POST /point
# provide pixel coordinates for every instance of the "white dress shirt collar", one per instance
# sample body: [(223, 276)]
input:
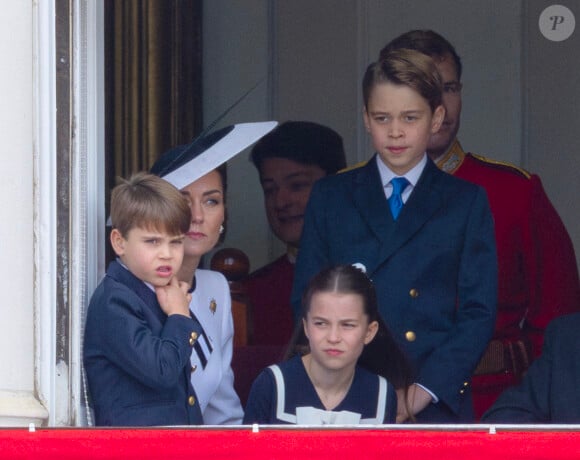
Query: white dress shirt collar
[(412, 175)]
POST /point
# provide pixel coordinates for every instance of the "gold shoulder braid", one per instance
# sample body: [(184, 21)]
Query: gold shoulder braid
[(455, 156), (355, 166), (503, 165)]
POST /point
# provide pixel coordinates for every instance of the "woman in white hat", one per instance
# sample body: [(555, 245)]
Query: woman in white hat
[(198, 170)]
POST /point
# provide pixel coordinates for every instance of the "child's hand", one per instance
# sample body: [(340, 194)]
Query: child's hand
[(174, 298), (417, 400)]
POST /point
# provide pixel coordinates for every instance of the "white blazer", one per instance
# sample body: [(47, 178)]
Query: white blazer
[(213, 378)]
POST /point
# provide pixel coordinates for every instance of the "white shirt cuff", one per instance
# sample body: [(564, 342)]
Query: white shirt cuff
[(435, 398)]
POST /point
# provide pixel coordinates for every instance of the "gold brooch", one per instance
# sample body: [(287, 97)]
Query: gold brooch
[(213, 306)]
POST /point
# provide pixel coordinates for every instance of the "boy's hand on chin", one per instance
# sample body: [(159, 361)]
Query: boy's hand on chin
[(174, 298)]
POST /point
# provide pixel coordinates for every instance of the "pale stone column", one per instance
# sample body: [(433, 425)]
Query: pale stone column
[(18, 403)]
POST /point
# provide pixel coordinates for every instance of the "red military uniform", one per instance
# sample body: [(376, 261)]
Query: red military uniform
[(268, 290), (538, 275)]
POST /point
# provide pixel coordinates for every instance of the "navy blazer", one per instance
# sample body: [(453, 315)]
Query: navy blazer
[(549, 392), (137, 358), (435, 270)]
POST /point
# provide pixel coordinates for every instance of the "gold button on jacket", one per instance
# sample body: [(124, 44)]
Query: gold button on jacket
[(191, 400), (193, 338), (414, 293), (410, 336)]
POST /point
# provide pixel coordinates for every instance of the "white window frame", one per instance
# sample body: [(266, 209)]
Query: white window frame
[(59, 384)]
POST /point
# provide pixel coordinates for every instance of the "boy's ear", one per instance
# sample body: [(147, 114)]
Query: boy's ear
[(372, 330), (117, 242), (304, 328), (437, 120)]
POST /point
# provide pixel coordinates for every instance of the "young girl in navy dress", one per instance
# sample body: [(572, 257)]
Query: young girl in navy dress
[(326, 385)]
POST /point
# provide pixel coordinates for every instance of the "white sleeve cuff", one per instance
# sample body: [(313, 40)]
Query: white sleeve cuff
[(435, 398)]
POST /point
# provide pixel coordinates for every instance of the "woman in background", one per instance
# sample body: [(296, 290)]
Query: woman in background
[(198, 170)]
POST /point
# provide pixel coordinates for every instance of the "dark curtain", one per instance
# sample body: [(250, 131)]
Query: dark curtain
[(153, 58)]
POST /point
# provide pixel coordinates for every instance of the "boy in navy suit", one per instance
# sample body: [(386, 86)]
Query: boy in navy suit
[(139, 333), (537, 271), (424, 237)]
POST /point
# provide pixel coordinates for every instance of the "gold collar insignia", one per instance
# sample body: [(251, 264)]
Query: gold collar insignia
[(452, 160)]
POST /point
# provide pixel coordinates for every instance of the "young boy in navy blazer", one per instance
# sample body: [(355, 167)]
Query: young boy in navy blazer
[(139, 333), (424, 237)]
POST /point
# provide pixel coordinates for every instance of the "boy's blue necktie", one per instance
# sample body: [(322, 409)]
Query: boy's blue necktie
[(396, 200)]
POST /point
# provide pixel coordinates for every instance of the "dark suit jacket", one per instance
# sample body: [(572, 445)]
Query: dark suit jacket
[(435, 270), (550, 391), (136, 358)]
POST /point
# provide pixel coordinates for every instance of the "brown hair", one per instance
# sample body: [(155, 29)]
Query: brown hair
[(149, 202), (383, 354), (303, 142), (409, 68), (427, 42), (343, 279)]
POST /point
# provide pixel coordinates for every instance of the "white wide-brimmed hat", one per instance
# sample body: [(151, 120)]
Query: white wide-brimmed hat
[(184, 164)]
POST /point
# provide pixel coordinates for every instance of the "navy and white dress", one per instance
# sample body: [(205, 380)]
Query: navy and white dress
[(211, 372), (284, 394)]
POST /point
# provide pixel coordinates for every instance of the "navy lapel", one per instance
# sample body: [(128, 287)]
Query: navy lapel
[(369, 199), (121, 274), (423, 203)]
